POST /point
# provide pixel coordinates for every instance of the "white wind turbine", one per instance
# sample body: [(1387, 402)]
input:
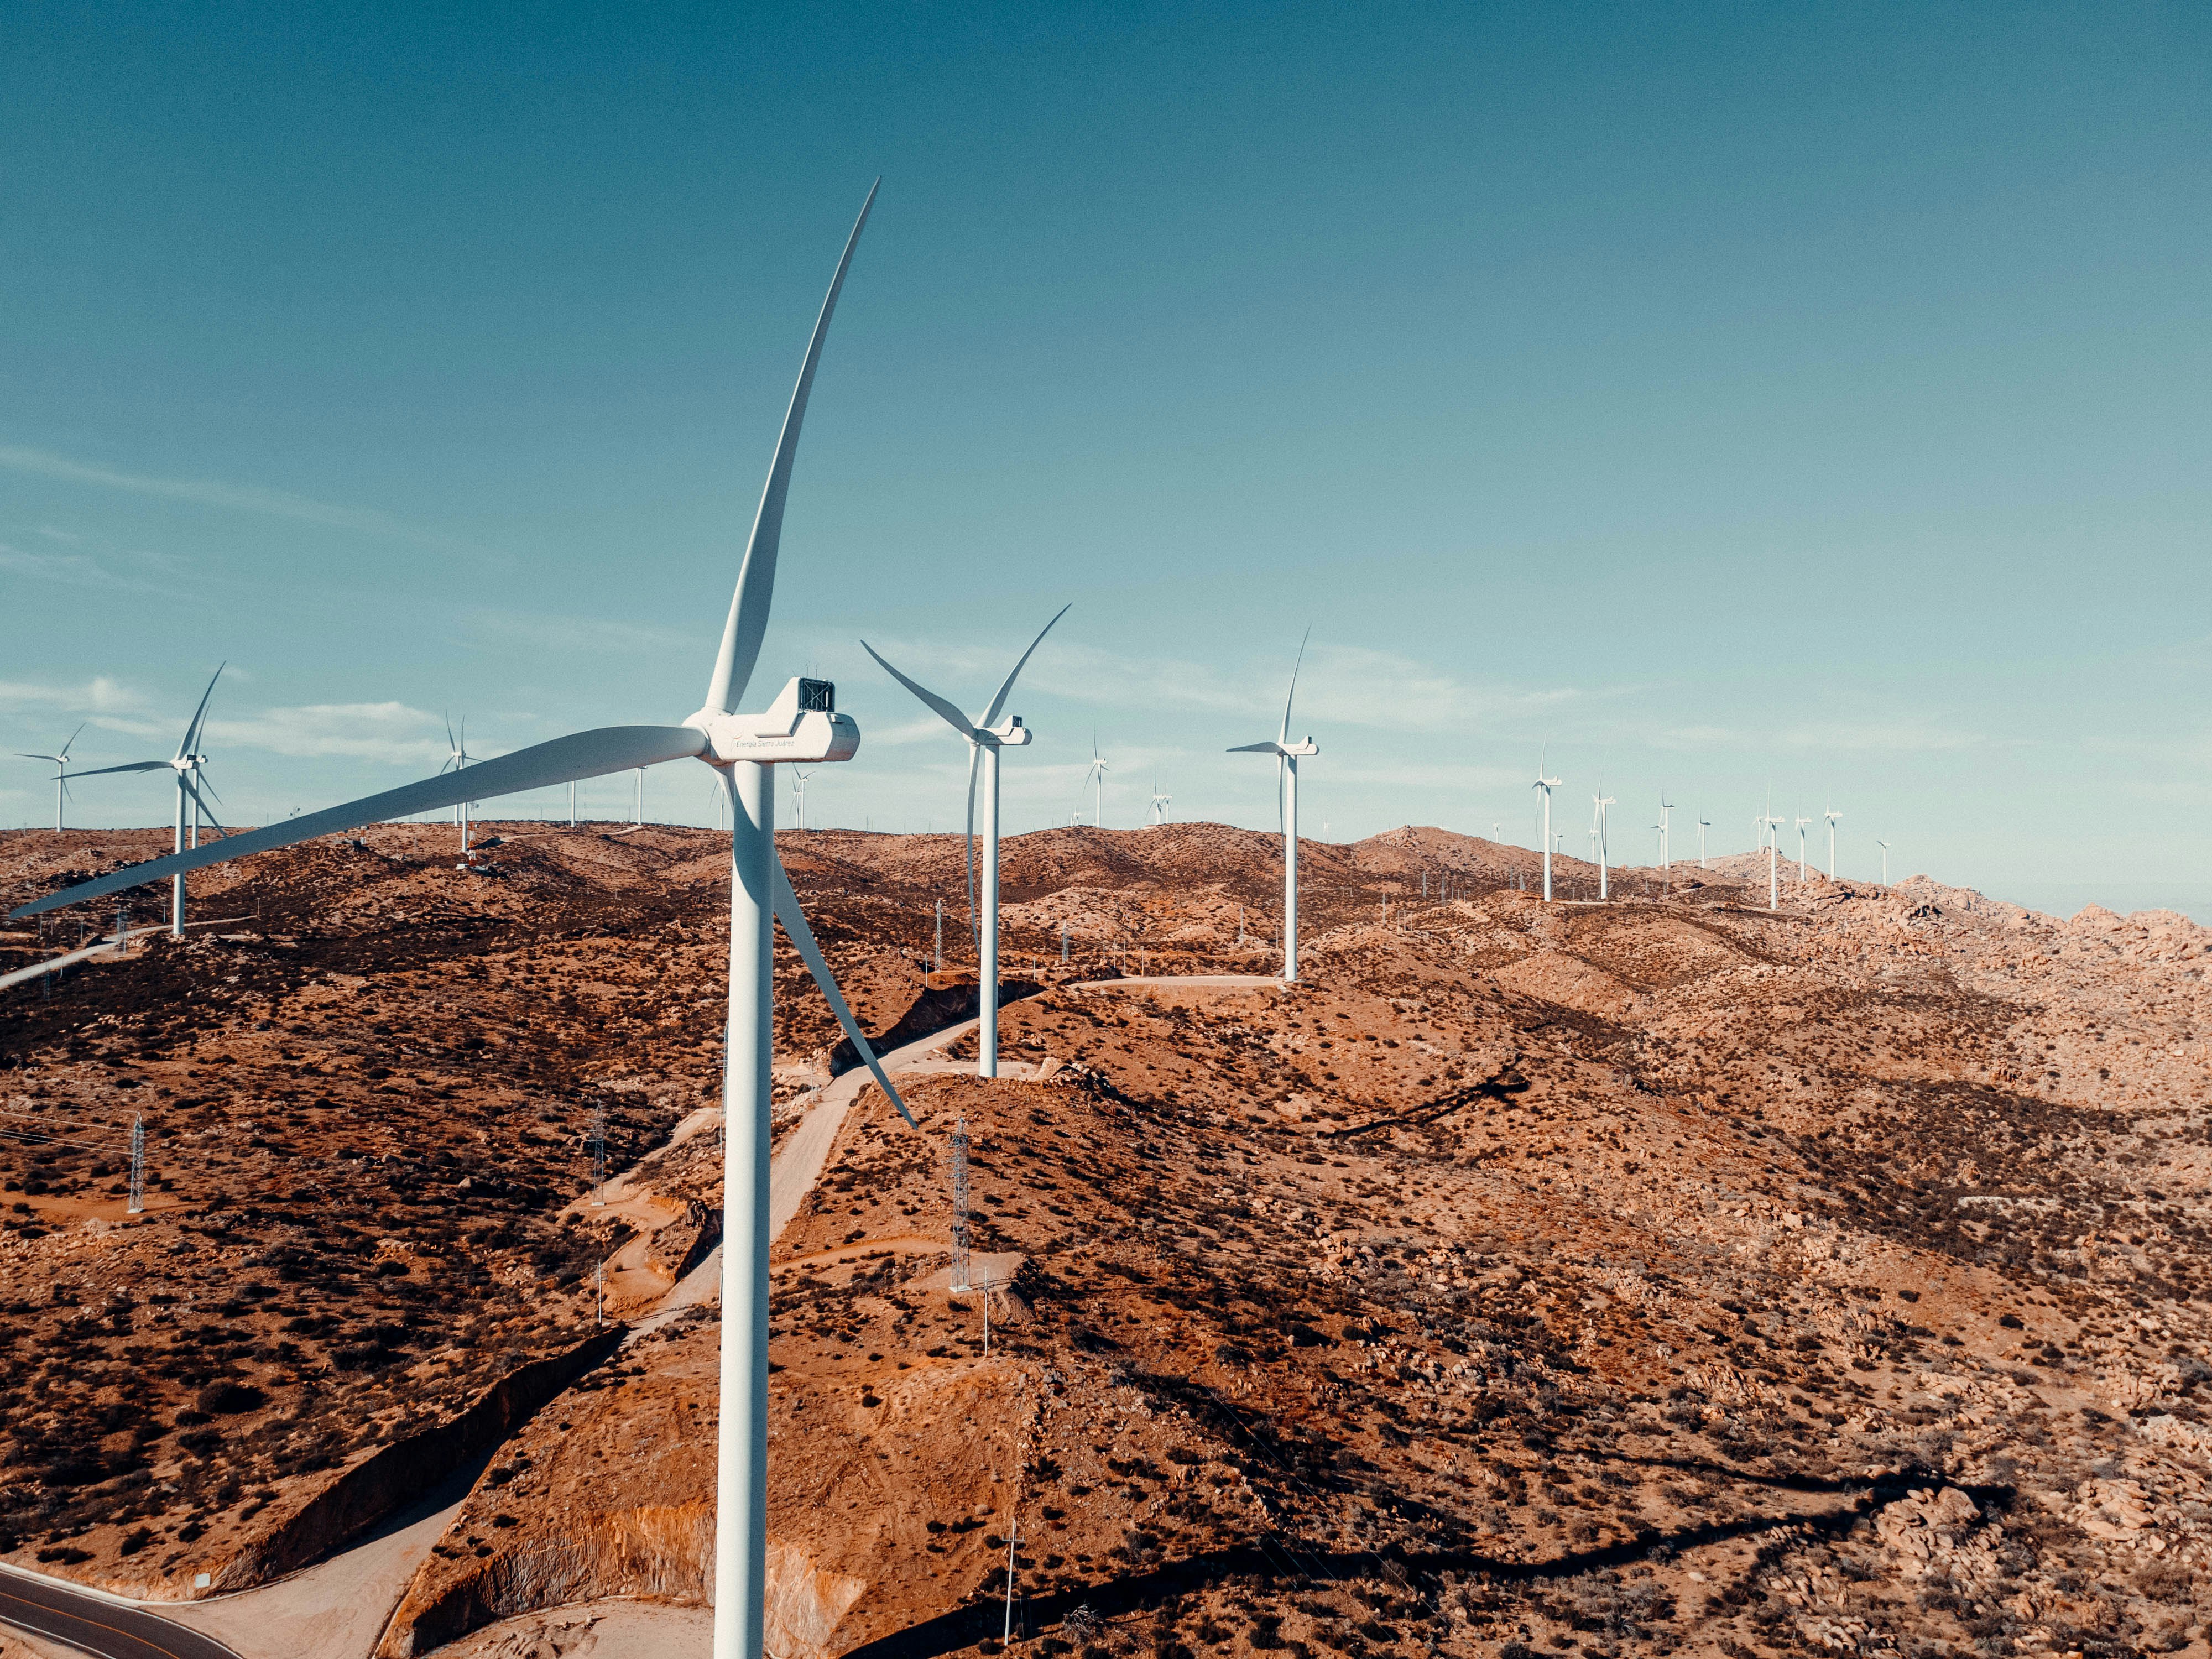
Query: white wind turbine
[(1802, 822), (457, 757), (1769, 824), (1547, 785), (1599, 802), (1666, 833), (1885, 861), (1287, 755), (61, 772), (1703, 825), (987, 734), (800, 725), (799, 792), (1833, 817), (186, 763), (1096, 777), (1156, 813)]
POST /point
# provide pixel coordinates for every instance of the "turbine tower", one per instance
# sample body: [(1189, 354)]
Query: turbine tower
[(1157, 813), (1802, 822), (1547, 785), (186, 763), (1666, 833), (1287, 755), (1885, 861), (987, 734), (61, 774), (1833, 817), (1702, 825), (1599, 802), (1770, 824), (1095, 777), (801, 724), (798, 793), (457, 757)]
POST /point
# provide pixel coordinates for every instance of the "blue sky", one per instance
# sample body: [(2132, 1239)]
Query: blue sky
[(1811, 399)]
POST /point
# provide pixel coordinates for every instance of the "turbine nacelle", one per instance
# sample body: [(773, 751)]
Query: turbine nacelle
[(1008, 733), (802, 724)]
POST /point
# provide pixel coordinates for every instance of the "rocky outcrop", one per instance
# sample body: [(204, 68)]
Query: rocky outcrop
[(396, 1473)]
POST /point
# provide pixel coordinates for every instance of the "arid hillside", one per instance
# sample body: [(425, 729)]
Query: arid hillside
[(1669, 1275)]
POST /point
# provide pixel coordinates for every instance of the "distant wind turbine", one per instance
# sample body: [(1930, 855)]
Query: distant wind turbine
[(457, 757), (1833, 817), (186, 763), (1096, 776), (1599, 802), (61, 774), (1545, 785), (1802, 822), (1885, 861), (1666, 833), (801, 724), (1702, 825), (1157, 813), (1770, 823), (987, 734), (799, 792), (1287, 755)]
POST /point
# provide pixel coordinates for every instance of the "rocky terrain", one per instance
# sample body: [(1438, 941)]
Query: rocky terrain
[(1667, 1275)]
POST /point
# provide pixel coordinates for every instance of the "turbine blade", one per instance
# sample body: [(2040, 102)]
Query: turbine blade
[(200, 778), (1295, 666), (135, 766), (183, 780), (802, 938), (944, 710), (192, 731), (74, 736), (1256, 749), (991, 714), (748, 606), (1282, 814), (583, 755), (967, 851)]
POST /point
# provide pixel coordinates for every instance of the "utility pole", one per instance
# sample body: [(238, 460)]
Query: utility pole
[(599, 1282), (138, 1205), (939, 957), (1063, 943), (1013, 1533)]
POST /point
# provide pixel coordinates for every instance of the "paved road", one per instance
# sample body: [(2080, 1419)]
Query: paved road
[(94, 1625)]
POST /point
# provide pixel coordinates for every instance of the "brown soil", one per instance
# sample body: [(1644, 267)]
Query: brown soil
[(1665, 1276)]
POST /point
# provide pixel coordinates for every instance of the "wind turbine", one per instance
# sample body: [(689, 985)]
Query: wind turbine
[(1157, 812), (1095, 775), (1547, 785), (185, 764), (1702, 825), (457, 757), (1599, 802), (1832, 816), (1802, 822), (987, 734), (1885, 861), (1770, 824), (61, 774), (1287, 755), (800, 725), (799, 790), (1666, 833)]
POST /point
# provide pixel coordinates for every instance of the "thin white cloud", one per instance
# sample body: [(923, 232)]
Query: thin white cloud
[(389, 733), (97, 696), (77, 570), (202, 492), (1343, 685), (585, 633)]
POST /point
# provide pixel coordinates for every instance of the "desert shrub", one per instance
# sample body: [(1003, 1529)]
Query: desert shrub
[(226, 1396)]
